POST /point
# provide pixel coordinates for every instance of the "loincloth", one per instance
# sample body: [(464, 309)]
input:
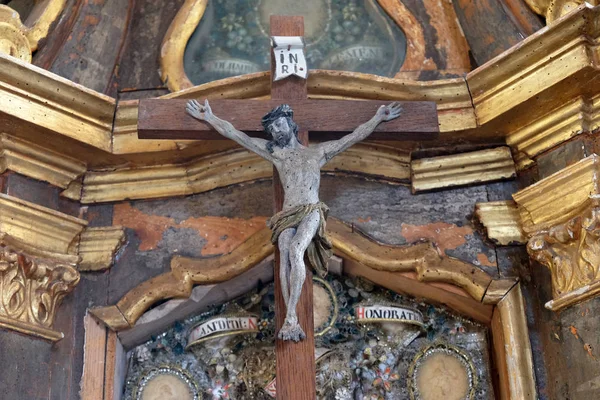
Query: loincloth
[(320, 249)]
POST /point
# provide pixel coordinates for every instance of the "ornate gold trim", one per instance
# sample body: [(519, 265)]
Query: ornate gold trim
[(502, 221), (32, 285), (39, 227), (38, 162), (185, 272), (98, 246), (561, 216), (462, 169)]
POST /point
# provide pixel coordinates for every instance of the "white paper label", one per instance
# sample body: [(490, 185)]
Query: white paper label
[(289, 57)]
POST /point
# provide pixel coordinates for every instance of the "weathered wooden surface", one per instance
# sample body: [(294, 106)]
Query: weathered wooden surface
[(90, 53), (137, 76), (167, 119), (488, 28)]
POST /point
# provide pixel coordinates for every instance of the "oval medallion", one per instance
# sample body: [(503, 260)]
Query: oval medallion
[(167, 383)]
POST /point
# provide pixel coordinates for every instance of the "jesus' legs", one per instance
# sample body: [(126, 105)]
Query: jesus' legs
[(305, 232), (284, 241)]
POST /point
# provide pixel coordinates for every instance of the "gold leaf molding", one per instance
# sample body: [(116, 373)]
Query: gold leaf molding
[(38, 226), (227, 168), (98, 246), (462, 169), (502, 221), (38, 162), (582, 114)]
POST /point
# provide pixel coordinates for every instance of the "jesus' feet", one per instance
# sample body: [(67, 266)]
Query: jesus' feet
[(291, 330)]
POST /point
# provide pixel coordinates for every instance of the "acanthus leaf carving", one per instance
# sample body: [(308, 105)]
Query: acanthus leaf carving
[(31, 290)]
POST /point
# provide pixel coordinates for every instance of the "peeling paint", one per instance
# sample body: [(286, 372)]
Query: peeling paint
[(485, 261), (222, 234), (446, 236)]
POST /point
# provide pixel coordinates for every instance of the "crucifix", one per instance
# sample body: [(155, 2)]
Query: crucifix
[(300, 217)]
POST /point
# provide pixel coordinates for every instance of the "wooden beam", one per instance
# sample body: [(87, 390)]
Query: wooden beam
[(332, 119), (295, 361)]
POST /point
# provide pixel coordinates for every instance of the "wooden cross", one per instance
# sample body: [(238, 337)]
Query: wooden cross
[(328, 119)]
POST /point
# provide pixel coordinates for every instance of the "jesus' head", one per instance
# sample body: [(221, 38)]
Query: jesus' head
[(279, 123)]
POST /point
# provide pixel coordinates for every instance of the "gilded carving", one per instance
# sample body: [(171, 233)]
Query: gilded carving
[(20, 39), (571, 251), (32, 287), (13, 40), (560, 217)]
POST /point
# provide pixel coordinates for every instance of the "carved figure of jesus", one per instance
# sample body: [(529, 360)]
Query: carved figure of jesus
[(300, 226)]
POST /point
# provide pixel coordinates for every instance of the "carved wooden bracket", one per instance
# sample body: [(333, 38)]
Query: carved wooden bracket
[(560, 216)]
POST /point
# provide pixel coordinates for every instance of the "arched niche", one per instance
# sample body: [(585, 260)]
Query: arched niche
[(416, 270)]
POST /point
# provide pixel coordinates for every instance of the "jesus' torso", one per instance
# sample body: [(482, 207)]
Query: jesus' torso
[(300, 174)]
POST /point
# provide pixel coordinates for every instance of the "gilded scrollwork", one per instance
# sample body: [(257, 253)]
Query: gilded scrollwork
[(31, 289), (571, 251)]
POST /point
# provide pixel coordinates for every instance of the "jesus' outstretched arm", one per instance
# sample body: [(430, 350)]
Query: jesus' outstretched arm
[(335, 147), (225, 128)]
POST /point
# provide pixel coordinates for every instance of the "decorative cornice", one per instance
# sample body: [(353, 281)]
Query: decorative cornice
[(582, 114), (38, 162), (32, 98), (227, 168), (422, 258), (462, 169), (560, 56), (559, 197), (98, 246), (39, 227), (502, 221)]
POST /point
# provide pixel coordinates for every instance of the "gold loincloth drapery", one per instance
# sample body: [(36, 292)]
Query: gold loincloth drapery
[(320, 249)]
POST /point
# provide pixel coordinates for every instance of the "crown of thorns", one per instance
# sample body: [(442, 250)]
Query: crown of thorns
[(283, 110)]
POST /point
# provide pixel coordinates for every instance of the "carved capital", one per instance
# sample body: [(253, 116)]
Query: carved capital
[(38, 265), (561, 217), (32, 285)]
